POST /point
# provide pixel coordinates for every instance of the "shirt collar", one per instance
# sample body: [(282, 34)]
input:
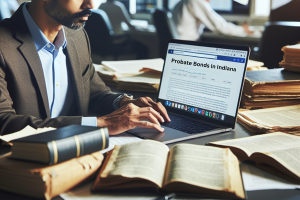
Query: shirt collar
[(40, 40)]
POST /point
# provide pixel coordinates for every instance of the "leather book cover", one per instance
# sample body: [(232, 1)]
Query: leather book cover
[(69, 142), (272, 76)]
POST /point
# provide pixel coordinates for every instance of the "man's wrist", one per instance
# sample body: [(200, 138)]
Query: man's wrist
[(121, 100), (101, 122), (125, 101)]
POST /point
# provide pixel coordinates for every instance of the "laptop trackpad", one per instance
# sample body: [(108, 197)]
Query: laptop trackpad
[(148, 133)]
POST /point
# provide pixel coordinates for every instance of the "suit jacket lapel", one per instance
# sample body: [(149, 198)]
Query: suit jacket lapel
[(75, 70), (29, 52)]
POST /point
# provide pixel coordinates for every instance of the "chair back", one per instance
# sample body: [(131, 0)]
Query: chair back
[(165, 29), (275, 36), (100, 32)]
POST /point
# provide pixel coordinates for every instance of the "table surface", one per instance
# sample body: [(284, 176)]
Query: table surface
[(238, 132)]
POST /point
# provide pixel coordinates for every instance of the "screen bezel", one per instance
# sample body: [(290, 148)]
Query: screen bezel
[(213, 45)]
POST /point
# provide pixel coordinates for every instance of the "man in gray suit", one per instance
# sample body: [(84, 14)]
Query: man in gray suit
[(47, 78)]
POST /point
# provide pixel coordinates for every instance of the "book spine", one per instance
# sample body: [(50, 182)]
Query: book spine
[(78, 145)]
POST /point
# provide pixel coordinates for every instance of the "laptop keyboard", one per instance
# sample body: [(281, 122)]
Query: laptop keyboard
[(187, 125)]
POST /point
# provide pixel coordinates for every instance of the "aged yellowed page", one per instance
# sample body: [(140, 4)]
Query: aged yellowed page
[(146, 159), (289, 157), (27, 131), (235, 176), (286, 116), (198, 165), (263, 143), (147, 78), (109, 72), (134, 66)]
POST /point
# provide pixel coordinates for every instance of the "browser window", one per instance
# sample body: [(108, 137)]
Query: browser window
[(203, 80)]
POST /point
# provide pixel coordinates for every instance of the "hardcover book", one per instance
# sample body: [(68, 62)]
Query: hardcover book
[(270, 88), (62, 144), (185, 168), (275, 152)]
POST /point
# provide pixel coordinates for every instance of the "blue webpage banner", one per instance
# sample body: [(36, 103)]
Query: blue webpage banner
[(206, 56)]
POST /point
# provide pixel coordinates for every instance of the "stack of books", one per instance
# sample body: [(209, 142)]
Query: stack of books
[(253, 65), (291, 58), (45, 164), (132, 75), (284, 119), (141, 75), (270, 88)]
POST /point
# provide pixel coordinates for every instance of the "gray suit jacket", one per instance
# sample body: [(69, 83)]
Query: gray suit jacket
[(23, 94)]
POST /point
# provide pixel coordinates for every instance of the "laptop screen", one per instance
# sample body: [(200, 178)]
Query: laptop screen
[(204, 81)]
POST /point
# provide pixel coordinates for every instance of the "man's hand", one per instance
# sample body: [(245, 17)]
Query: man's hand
[(129, 117), (246, 28), (148, 102)]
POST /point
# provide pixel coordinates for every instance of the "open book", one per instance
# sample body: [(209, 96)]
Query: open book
[(277, 152), (183, 168), (283, 119)]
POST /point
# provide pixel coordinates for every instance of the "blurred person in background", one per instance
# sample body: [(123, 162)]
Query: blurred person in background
[(192, 16)]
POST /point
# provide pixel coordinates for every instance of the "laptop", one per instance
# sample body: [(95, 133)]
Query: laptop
[(201, 86)]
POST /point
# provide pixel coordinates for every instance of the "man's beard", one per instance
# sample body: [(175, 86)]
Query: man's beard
[(64, 17)]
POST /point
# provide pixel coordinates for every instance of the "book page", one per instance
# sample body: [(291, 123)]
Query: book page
[(134, 66), (146, 159), (147, 77), (122, 138), (290, 158), (27, 131), (257, 179), (263, 143), (198, 165), (273, 117), (107, 71), (253, 63)]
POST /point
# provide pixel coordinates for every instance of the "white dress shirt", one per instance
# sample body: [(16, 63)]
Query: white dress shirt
[(195, 15), (59, 87)]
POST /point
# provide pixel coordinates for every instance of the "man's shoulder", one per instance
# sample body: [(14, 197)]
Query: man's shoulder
[(6, 31), (6, 26)]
